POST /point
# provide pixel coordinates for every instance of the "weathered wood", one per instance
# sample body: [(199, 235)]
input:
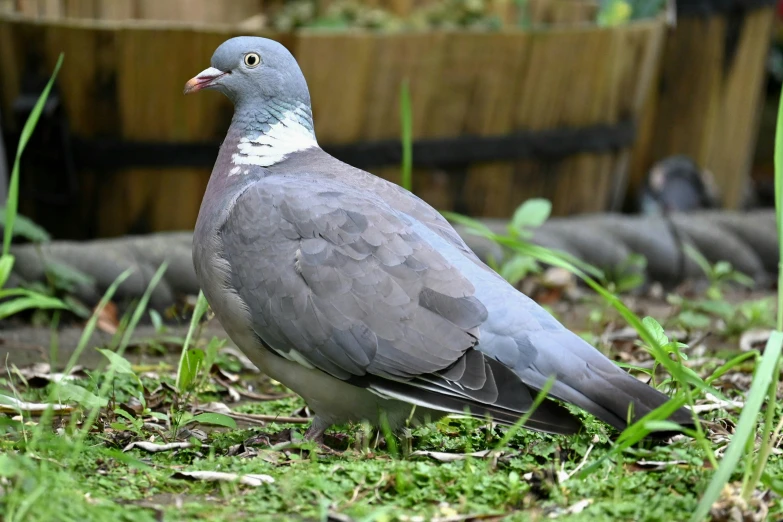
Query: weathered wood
[(461, 83), (707, 102), (561, 12), (117, 9), (324, 60), (734, 137)]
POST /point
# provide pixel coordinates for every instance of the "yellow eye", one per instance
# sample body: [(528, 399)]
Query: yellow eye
[(252, 60)]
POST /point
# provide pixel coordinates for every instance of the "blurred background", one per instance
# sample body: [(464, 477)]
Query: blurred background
[(574, 101)]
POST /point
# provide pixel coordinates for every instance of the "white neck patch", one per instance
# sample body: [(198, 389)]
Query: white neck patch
[(283, 138)]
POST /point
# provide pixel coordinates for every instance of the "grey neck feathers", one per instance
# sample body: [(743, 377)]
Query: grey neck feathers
[(269, 131)]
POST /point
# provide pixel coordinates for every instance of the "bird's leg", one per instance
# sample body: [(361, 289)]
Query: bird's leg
[(315, 433), (316, 430)]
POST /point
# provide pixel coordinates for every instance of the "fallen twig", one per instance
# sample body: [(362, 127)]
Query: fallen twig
[(450, 457), (157, 448), (14, 405), (260, 419), (254, 480)]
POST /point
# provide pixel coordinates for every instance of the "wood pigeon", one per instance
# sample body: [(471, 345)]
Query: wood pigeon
[(361, 297)]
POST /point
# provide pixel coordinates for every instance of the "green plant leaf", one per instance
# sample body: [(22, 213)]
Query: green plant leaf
[(517, 268), (718, 308), (26, 228), (211, 353), (68, 392), (14, 306), (66, 277), (13, 184), (216, 419), (123, 413), (745, 426), (614, 12), (473, 225), (157, 321), (186, 366), (6, 265), (118, 363), (530, 214), (189, 366), (693, 320), (406, 123), (656, 330)]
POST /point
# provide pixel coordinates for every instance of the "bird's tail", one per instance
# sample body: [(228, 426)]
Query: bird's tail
[(595, 384)]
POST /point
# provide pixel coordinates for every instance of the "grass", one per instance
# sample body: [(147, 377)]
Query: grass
[(73, 467)]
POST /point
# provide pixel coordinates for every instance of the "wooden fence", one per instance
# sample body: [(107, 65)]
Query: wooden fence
[(124, 80), (707, 98)]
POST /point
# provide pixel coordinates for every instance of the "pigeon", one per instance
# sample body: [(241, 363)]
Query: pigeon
[(677, 184), (362, 298)]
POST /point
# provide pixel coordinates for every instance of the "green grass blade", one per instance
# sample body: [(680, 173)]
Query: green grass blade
[(40, 302), (184, 366), (540, 397), (13, 186), (109, 377), (745, 426), (406, 123), (779, 204), (755, 469), (89, 329)]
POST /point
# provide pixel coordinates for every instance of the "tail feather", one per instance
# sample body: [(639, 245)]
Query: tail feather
[(549, 417), (592, 382), (613, 399)]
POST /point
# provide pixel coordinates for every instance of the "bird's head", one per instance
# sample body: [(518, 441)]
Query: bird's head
[(251, 69)]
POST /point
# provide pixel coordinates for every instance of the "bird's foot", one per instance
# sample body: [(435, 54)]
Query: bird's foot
[(315, 433)]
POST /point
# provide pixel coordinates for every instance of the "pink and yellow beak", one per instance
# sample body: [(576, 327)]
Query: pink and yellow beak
[(203, 80)]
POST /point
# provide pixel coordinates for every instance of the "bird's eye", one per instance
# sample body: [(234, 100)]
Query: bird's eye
[(252, 60)]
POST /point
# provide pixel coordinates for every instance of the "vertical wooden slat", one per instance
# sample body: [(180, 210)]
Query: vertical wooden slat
[(398, 57), (706, 102), (167, 198), (81, 8), (686, 105), (731, 152), (50, 9), (10, 64), (30, 8), (496, 95), (561, 13), (204, 11), (461, 83), (116, 9), (338, 99)]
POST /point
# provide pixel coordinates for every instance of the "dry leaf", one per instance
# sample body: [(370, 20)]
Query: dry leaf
[(247, 364), (572, 510), (556, 277), (216, 407), (107, 319), (753, 339), (228, 377), (133, 406), (40, 374), (253, 480)]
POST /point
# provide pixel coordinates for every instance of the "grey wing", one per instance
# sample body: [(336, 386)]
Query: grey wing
[(419, 209), (336, 279)]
